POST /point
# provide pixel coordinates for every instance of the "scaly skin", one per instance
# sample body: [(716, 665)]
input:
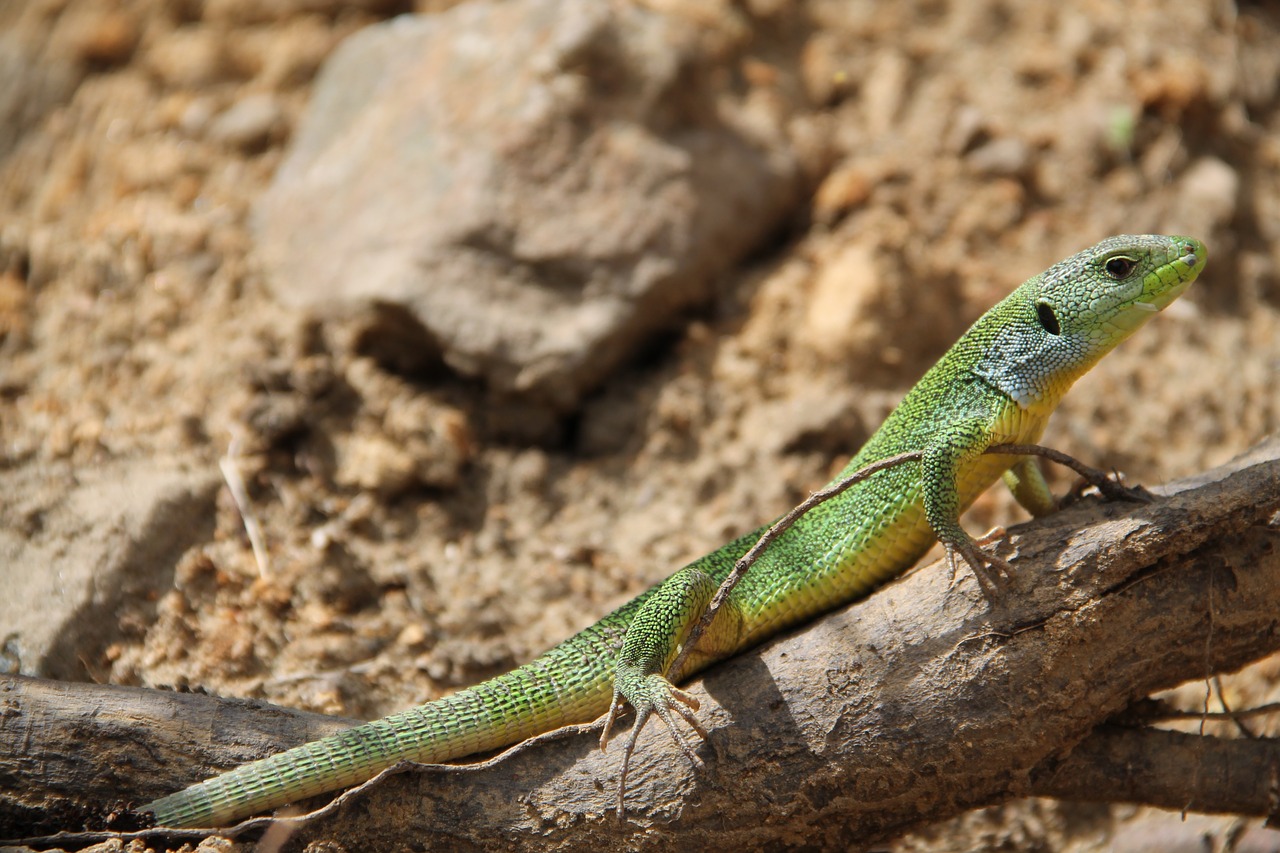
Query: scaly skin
[(998, 384)]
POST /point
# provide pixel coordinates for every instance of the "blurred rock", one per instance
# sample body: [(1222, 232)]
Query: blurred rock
[(1006, 157), (402, 440), (84, 553), (190, 58), (104, 36), (884, 92), (844, 189), (822, 70), (29, 89), (848, 290), (195, 118), (249, 12), (1154, 831), (967, 128), (250, 123), (822, 419), (1207, 200), (541, 183)]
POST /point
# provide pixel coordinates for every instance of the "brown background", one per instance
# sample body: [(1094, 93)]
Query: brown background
[(138, 336)]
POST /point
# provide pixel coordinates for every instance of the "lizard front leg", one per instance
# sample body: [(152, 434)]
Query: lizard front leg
[(941, 465)]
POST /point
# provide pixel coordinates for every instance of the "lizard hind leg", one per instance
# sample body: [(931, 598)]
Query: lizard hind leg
[(642, 674)]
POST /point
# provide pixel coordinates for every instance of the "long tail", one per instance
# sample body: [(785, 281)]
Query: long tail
[(571, 683)]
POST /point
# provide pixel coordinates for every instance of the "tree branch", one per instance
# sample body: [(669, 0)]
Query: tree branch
[(1172, 770), (99, 745), (917, 703)]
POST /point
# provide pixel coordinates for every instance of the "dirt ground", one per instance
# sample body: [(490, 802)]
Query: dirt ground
[(136, 325)]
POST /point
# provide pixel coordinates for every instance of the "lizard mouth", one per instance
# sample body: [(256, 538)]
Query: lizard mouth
[(1169, 281)]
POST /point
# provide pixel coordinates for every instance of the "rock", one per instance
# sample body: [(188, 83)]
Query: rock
[(847, 291), (885, 91), (85, 553), (874, 311), (188, 58), (29, 89), (104, 37), (1207, 199), (540, 183), (245, 13), (15, 315), (967, 128), (844, 189), (822, 69), (250, 123), (403, 439), (294, 53), (197, 116), (371, 462), (816, 418), (1004, 157)]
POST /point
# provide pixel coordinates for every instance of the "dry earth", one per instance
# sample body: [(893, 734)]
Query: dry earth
[(424, 532)]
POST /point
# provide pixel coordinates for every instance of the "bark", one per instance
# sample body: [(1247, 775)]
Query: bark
[(1172, 770), (911, 706), (100, 746)]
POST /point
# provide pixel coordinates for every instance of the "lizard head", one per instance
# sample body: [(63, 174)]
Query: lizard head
[(1099, 297), (1056, 326)]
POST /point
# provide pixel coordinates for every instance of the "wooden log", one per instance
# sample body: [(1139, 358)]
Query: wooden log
[(910, 706)]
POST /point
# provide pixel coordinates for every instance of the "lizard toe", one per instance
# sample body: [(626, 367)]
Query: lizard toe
[(989, 569)]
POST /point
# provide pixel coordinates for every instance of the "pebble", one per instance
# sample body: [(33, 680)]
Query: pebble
[(1210, 188), (250, 124), (1007, 157)]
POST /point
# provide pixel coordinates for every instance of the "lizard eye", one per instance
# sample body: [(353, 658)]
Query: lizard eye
[(1119, 267), (1048, 320)]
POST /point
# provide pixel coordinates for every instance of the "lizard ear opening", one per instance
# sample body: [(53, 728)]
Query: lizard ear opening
[(1048, 320)]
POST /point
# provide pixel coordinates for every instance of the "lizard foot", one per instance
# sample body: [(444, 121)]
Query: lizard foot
[(1111, 487), (658, 696), (989, 580)]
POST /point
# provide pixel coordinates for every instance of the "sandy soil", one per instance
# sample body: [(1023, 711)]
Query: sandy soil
[(135, 325)]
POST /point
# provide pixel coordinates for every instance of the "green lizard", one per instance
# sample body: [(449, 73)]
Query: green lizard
[(997, 385)]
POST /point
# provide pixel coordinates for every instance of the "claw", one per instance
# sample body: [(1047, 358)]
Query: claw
[(1121, 492), (685, 706), (615, 708), (1112, 488), (663, 699), (978, 561), (642, 717), (991, 537)]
